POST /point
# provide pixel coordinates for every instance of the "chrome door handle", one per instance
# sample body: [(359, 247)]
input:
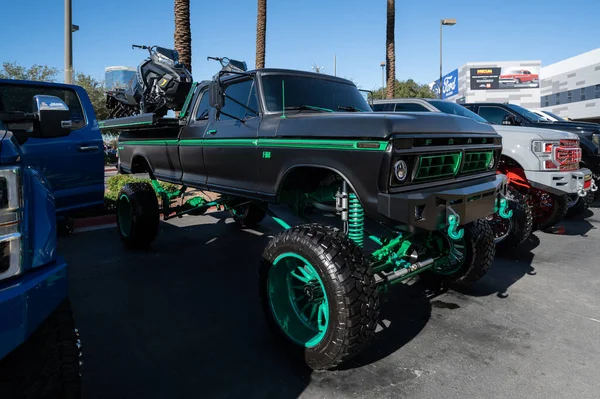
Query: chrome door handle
[(89, 148)]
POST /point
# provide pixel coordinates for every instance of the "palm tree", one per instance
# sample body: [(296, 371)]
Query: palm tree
[(183, 33), (261, 28), (390, 57)]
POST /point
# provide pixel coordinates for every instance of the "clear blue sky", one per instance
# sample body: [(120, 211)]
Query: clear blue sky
[(300, 33)]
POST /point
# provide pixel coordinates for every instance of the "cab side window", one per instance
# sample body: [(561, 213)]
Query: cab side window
[(19, 98), (494, 115), (203, 106), (242, 92), (385, 107), (410, 107)]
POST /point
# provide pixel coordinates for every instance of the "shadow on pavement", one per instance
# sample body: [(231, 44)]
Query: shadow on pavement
[(509, 267), (181, 319), (405, 310)]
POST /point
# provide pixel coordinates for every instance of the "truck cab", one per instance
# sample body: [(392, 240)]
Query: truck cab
[(37, 330), (73, 163)]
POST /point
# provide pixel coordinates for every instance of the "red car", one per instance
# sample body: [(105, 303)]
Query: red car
[(517, 76)]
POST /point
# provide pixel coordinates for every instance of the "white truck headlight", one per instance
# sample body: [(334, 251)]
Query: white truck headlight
[(11, 209)]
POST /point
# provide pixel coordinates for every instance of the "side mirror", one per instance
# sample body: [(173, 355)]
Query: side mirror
[(216, 98), (368, 96), (53, 117), (510, 120)]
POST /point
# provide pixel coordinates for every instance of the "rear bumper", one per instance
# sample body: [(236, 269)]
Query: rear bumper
[(560, 183), (428, 209), (26, 301)]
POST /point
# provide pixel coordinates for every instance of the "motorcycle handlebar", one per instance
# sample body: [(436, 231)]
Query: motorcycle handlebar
[(223, 60)]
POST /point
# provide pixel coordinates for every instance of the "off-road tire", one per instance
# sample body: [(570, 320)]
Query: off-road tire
[(581, 205), (248, 215), (522, 220), (47, 364), (480, 250), (349, 285), (144, 214), (559, 212)]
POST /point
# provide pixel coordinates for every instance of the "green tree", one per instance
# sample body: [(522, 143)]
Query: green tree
[(406, 89), (12, 70), (95, 90)]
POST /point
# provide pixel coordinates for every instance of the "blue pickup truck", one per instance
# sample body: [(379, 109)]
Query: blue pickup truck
[(51, 165)]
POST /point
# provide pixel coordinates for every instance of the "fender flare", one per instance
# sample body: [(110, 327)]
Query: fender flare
[(315, 166), (514, 172)]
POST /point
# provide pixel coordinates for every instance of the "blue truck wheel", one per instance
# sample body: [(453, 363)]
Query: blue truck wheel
[(47, 364)]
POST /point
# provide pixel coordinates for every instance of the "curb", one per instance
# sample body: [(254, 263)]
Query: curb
[(106, 221)]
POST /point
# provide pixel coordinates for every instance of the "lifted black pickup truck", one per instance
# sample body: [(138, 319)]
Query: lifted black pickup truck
[(417, 186), (512, 114)]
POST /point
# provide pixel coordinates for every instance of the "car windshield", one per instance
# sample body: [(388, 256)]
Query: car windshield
[(525, 113), (308, 92), (558, 118), (449, 107)]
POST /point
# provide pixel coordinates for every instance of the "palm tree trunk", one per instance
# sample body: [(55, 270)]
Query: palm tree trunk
[(183, 33), (390, 57), (261, 28)]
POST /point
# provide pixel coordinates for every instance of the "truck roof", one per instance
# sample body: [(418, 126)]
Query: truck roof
[(269, 71), (37, 83)]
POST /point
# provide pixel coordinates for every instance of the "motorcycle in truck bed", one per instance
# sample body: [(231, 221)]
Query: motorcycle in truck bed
[(411, 194)]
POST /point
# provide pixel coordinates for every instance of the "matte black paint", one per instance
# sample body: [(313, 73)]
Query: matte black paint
[(243, 171)]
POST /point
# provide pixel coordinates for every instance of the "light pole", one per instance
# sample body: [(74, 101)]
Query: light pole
[(449, 22), (382, 84), (69, 29), (334, 65)]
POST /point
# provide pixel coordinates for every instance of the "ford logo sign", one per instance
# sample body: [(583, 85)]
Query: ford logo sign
[(449, 84)]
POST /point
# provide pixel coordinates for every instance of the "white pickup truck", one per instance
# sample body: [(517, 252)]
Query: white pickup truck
[(542, 165)]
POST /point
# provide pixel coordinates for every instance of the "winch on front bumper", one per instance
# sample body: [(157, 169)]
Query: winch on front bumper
[(454, 204)]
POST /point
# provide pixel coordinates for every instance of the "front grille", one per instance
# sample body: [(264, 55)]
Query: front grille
[(567, 158), (569, 143), (477, 161), (437, 166)]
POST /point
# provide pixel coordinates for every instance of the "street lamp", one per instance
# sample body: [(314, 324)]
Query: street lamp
[(449, 22), (382, 84), (69, 29)]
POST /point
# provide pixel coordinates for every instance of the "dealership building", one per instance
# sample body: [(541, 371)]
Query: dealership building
[(568, 88)]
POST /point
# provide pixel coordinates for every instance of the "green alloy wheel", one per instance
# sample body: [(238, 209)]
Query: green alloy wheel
[(137, 214), (318, 294), (463, 261), (298, 300)]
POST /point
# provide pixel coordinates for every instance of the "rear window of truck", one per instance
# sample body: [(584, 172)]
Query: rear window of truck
[(19, 98)]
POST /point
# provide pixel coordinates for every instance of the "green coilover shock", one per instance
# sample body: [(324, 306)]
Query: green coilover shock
[(356, 220)]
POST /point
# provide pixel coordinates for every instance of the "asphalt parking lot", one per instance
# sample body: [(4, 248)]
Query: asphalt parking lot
[(182, 320)]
